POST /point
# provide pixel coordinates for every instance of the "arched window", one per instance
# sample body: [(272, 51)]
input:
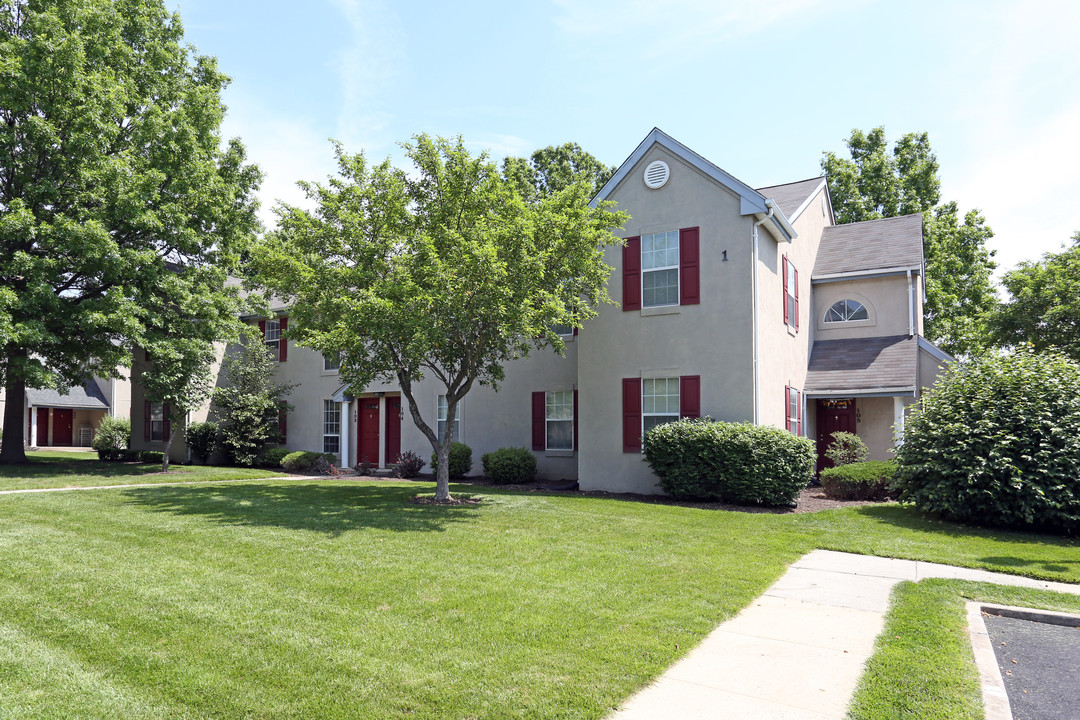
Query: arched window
[(846, 311)]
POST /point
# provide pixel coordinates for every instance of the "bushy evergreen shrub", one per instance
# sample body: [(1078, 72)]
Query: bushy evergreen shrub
[(148, 457), (846, 448), (307, 461), (704, 459), (409, 465), (202, 439), (272, 457), (997, 442), (460, 462), (870, 480), (112, 438), (507, 466)]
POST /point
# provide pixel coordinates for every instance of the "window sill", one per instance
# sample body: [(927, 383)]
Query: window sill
[(662, 310), (791, 331), (558, 453)]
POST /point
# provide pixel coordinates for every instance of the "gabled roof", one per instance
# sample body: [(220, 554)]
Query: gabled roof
[(863, 366), (87, 396), (792, 197), (751, 201), (889, 244)]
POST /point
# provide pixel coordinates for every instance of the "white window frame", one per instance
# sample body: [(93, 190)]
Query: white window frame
[(672, 416), (677, 267), (848, 319), (441, 410), (791, 299), (157, 422), (549, 405), (331, 424), (272, 336), (327, 369), (794, 411)]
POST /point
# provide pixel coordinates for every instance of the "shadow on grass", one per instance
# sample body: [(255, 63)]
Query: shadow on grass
[(318, 507), (42, 467)]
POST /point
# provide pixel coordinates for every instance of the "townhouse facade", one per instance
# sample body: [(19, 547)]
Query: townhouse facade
[(737, 303)]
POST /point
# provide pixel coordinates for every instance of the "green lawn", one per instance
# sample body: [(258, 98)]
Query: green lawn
[(340, 599), (52, 468)]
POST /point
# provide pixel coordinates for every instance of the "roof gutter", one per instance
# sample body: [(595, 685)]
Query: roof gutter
[(775, 222)]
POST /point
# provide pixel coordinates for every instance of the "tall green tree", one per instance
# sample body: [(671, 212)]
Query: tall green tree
[(1043, 308), (180, 377), (116, 191), (444, 271), (874, 183), (553, 169), (249, 403)]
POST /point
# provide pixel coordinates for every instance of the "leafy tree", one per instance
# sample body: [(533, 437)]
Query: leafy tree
[(115, 190), (553, 169), (446, 270), (180, 376), (1043, 309), (249, 404), (874, 183)]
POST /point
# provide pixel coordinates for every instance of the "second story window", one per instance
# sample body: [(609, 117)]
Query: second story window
[(660, 269), (846, 311), (331, 362), (791, 294), (273, 336)]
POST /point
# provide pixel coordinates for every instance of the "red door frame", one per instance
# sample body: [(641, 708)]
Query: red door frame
[(367, 430), (393, 428), (42, 427), (833, 415)]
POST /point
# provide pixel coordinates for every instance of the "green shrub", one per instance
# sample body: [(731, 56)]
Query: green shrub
[(703, 459), (272, 457), (202, 439), (127, 455), (460, 460), (151, 457), (870, 480), (509, 465), (997, 442), (307, 461), (408, 465), (846, 448), (112, 438)]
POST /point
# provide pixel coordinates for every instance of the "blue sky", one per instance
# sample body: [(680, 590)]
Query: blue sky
[(761, 89)]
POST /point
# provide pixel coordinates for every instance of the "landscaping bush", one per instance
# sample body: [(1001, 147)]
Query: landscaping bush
[(151, 456), (409, 465), (846, 448), (870, 480), (307, 461), (703, 459), (202, 440), (997, 442), (509, 465), (113, 438), (272, 457), (460, 460)]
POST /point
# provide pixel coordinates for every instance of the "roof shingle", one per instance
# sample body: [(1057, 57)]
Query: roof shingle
[(86, 396), (871, 245), (862, 365), (790, 196)]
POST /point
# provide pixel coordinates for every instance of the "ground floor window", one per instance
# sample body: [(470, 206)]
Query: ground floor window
[(559, 420), (331, 426), (794, 411), (442, 412), (659, 402), (157, 422)]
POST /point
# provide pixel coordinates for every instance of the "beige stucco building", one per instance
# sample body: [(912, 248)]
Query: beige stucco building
[(70, 419), (735, 303)]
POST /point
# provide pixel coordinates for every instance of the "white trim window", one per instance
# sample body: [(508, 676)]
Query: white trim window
[(659, 402), (331, 441), (559, 419), (331, 363), (441, 412), (794, 411), (273, 336), (660, 269), (791, 296), (846, 310), (157, 422)]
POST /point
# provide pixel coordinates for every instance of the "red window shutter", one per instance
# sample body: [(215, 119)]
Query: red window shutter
[(631, 405), (283, 345), (631, 274), (166, 424), (539, 421), (690, 396), (283, 424), (796, 299), (146, 420), (784, 271), (575, 331), (689, 273), (575, 420), (262, 329)]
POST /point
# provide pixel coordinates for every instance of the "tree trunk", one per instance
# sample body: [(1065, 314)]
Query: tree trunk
[(165, 460), (442, 474), (13, 451)]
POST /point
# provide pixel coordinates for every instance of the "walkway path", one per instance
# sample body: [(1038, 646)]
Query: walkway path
[(797, 651)]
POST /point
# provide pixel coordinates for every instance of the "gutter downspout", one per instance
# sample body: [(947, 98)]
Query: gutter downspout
[(754, 314), (910, 305)]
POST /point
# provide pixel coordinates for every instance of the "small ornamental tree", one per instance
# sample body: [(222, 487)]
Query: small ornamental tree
[(445, 271), (997, 442), (179, 376), (249, 404)]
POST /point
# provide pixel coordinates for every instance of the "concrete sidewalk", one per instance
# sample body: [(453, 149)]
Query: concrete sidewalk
[(797, 652)]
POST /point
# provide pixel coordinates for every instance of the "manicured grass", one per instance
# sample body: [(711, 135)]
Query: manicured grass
[(340, 599), (923, 668), (53, 469)]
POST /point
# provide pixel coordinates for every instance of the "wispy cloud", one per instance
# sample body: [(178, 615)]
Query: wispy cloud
[(500, 146)]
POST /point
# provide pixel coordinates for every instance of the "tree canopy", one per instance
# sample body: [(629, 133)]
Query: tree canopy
[(1043, 308), (445, 270), (553, 169), (876, 183), (117, 194)]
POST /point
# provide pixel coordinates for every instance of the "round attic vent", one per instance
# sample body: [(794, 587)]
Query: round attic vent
[(657, 174)]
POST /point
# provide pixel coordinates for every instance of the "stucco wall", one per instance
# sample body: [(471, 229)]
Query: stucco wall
[(875, 425), (885, 298)]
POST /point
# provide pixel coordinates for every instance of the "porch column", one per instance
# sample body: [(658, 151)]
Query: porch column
[(898, 421), (382, 430), (345, 431), (32, 440)]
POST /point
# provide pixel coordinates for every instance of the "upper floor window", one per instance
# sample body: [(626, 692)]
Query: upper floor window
[(273, 335), (846, 311), (660, 269), (442, 411), (331, 362), (791, 294)]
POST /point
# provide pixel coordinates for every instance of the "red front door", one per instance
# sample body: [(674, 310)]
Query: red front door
[(833, 415), (61, 431), (367, 431), (393, 428), (42, 427)]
